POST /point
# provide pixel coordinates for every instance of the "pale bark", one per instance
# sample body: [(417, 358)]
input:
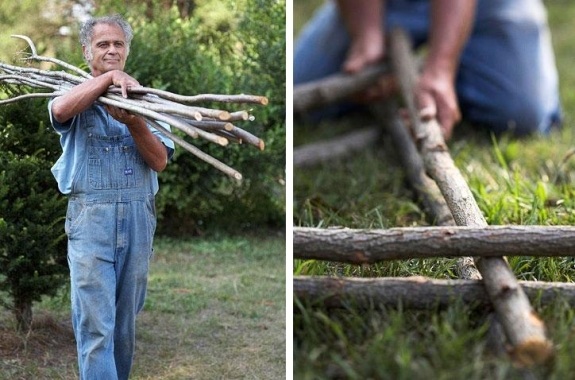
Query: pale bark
[(341, 146), (524, 330), (337, 87)]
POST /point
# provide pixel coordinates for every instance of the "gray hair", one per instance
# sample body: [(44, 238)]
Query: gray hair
[(87, 30)]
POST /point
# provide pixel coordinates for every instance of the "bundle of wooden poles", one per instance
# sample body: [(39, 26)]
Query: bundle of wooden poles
[(156, 106)]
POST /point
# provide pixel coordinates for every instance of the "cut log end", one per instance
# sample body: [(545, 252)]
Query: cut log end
[(262, 145), (264, 101), (222, 141), (224, 115), (532, 352)]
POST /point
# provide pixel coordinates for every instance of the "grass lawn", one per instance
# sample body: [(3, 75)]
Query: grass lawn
[(527, 182), (215, 310)]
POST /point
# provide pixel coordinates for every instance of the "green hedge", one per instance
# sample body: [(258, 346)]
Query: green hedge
[(32, 239), (225, 47)]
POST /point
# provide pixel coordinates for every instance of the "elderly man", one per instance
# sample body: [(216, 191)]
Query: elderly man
[(108, 169), (488, 61)]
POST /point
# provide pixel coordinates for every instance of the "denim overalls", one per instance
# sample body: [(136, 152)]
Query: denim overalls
[(110, 225)]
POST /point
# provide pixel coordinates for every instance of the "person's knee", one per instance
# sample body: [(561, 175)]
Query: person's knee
[(531, 116), (519, 117)]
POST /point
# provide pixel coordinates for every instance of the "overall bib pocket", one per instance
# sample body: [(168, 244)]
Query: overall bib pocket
[(114, 163)]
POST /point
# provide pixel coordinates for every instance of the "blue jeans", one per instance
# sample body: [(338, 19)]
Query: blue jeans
[(110, 224), (507, 78)]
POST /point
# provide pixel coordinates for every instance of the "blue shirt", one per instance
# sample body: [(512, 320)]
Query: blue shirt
[(73, 136)]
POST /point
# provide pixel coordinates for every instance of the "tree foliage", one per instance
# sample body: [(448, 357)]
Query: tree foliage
[(224, 47), (32, 240)]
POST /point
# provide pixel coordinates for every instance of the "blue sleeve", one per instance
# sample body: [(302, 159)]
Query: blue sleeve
[(164, 139)]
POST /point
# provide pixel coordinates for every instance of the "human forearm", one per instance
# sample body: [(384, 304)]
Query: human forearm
[(361, 16), (363, 20), (451, 23), (149, 146), (80, 97)]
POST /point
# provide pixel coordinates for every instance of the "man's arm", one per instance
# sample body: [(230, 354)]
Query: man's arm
[(363, 21), (82, 96), (451, 24), (150, 147)]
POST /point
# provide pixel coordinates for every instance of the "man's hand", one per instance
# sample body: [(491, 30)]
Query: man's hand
[(124, 81), (435, 97), (365, 49), (122, 115)]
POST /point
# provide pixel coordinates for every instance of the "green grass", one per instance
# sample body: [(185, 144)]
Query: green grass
[(215, 310), (528, 182)]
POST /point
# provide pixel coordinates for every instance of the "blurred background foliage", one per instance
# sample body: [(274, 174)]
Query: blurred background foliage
[(187, 47)]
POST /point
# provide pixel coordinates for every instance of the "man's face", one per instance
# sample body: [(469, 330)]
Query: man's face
[(108, 49)]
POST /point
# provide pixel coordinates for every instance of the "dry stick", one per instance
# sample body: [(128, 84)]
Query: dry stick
[(196, 152), (246, 136), (239, 115), (251, 99), (191, 131), (35, 95), (61, 75), (368, 246), (210, 125), (415, 292), (427, 191), (183, 110), (315, 153), (229, 136), (337, 87), (241, 98), (37, 57), (229, 131), (433, 203), (201, 111), (524, 330)]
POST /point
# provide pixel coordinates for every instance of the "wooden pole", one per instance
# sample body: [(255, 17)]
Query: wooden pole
[(368, 246), (426, 189), (338, 87), (341, 146), (524, 330), (416, 292)]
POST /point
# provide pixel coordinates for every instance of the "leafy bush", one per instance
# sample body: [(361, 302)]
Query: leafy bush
[(32, 239), (225, 47)]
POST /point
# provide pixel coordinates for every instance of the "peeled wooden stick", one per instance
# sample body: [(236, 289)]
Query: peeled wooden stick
[(523, 328), (196, 151), (341, 146), (426, 189), (338, 87), (37, 57)]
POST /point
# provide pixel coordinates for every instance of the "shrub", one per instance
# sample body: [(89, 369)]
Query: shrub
[(224, 47), (32, 239)]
